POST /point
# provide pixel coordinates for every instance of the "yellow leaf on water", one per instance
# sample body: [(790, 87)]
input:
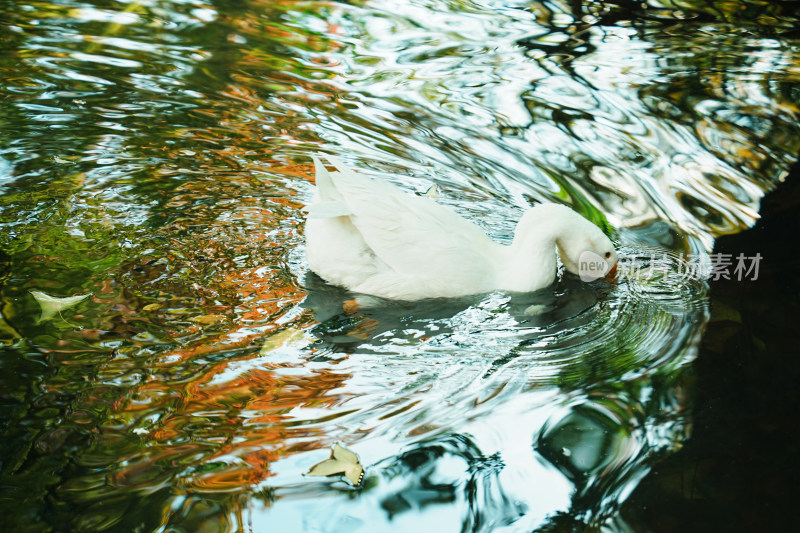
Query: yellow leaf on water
[(342, 462), (281, 339), (433, 192), (151, 307), (208, 319)]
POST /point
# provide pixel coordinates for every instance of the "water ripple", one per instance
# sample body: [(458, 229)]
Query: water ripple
[(156, 155)]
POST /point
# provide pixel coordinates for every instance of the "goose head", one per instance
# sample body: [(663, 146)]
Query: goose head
[(547, 229), (587, 252)]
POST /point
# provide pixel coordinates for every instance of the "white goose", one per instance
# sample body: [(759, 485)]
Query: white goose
[(372, 238)]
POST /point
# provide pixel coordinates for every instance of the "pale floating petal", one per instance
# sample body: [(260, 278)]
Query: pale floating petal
[(51, 304)]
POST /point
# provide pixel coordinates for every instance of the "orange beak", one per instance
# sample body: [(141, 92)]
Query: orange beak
[(612, 274)]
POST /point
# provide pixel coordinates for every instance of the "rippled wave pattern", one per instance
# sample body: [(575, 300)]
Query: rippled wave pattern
[(155, 155)]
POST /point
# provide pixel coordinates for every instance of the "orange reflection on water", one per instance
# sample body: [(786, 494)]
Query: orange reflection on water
[(215, 414), (234, 417)]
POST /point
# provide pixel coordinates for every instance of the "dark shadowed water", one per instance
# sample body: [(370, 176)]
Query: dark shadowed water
[(155, 156)]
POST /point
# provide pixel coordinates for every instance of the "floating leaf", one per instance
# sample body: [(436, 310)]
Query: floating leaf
[(51, 304), (342, 461), (151, 307), (433, 192), (208, 319), (282, 339)]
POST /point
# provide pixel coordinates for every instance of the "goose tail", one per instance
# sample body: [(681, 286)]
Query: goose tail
[(328, 202)]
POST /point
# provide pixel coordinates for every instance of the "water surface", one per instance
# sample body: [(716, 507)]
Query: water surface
[(156, 156)]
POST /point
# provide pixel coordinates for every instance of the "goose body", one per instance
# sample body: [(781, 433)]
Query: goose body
[(372, 238)]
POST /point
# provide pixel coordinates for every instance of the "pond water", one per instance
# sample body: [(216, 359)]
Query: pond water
[(155, 155)]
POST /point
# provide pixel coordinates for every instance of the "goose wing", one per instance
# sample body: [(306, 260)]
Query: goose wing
[(409, 233)]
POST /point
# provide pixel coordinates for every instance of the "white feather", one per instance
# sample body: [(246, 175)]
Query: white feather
[(371, 237)]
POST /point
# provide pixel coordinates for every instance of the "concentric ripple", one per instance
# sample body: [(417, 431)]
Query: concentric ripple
[(570, 370), (567, 336)]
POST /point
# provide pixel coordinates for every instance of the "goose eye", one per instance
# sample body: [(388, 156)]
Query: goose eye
[(608, 254)]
